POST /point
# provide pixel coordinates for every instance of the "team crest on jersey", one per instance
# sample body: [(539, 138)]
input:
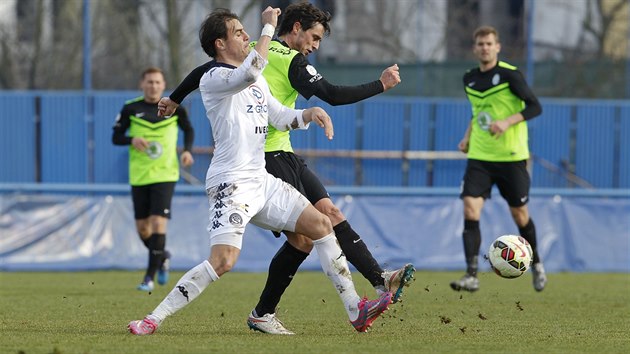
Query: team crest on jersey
[(257, 93), (495, 79), (154, 150), (484, 119), (311, 70), (236, 219)]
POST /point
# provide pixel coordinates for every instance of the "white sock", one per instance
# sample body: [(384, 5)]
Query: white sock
[(188, 287), (335, 266)]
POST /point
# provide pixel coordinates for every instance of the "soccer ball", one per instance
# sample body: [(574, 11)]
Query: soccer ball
[(510, 256)]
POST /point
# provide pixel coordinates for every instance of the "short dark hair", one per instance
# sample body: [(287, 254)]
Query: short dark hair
[(306, 14), (213, 28), (484, 31), (151, 70)]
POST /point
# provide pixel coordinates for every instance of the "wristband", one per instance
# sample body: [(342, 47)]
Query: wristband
[(268, 30)]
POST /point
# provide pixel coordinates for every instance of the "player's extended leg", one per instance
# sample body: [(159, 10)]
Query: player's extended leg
[(527, 229), (361, 312), (351, 243), (307, 219), (194, 282), (358, 254), (292, 254), (282, 269), (472, 242)]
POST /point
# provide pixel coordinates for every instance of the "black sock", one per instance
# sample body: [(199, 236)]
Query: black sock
[(146, 241), (282, 268), (472, 242), (157, 242), (529, 233), (358, 254)]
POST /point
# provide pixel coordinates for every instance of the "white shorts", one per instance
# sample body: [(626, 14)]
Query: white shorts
[(267, 202)]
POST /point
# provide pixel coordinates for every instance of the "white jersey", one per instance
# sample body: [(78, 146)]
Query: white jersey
[(240, 106)]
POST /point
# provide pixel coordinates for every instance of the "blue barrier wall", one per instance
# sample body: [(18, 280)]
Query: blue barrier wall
[(18, 138), (65, 137), (47, 231)]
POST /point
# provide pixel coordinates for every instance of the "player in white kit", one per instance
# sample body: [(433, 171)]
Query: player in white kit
[(240, 106)]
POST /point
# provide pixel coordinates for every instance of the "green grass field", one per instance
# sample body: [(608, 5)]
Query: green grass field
[(87, 312)]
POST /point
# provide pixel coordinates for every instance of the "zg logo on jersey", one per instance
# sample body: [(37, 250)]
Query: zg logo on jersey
[(261, 106)]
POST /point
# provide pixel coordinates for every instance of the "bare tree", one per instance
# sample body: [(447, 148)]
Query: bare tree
[(39, 49), (118, 53), (600, 20), (62, 58), (8, 74), (375, 32), (595, 49), (178, 39), (174, 36), (21, 46), (37, 44)]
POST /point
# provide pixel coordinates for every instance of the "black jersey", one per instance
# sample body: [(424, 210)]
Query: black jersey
[(309, 82), (504, 76), (142, 109)]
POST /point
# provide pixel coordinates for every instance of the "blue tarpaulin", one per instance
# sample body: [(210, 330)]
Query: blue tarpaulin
[(73, 232)]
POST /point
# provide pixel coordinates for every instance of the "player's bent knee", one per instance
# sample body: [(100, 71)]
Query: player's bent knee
[(313, 224), (471, 213), (520, 215), (324, 226), (328, 208), (144, 228)]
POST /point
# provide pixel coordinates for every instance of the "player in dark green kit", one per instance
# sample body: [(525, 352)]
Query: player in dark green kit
[(289, 73), (153, 167), (497, 148)]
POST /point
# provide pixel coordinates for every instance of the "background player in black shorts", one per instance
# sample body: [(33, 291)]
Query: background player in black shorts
[(497, 148), (153, 167)]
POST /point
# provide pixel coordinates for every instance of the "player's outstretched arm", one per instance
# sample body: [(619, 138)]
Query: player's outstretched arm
[(340, 94)]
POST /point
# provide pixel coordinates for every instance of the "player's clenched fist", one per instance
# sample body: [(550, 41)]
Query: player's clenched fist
[(270, 15), (390, 77)]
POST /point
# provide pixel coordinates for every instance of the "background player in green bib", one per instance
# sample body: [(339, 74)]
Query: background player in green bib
[(153, 167), (497, 148), (302, 28)]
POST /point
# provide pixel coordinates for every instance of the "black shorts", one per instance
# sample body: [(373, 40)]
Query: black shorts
[(152, 199), (511, 178), (292, 169)]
